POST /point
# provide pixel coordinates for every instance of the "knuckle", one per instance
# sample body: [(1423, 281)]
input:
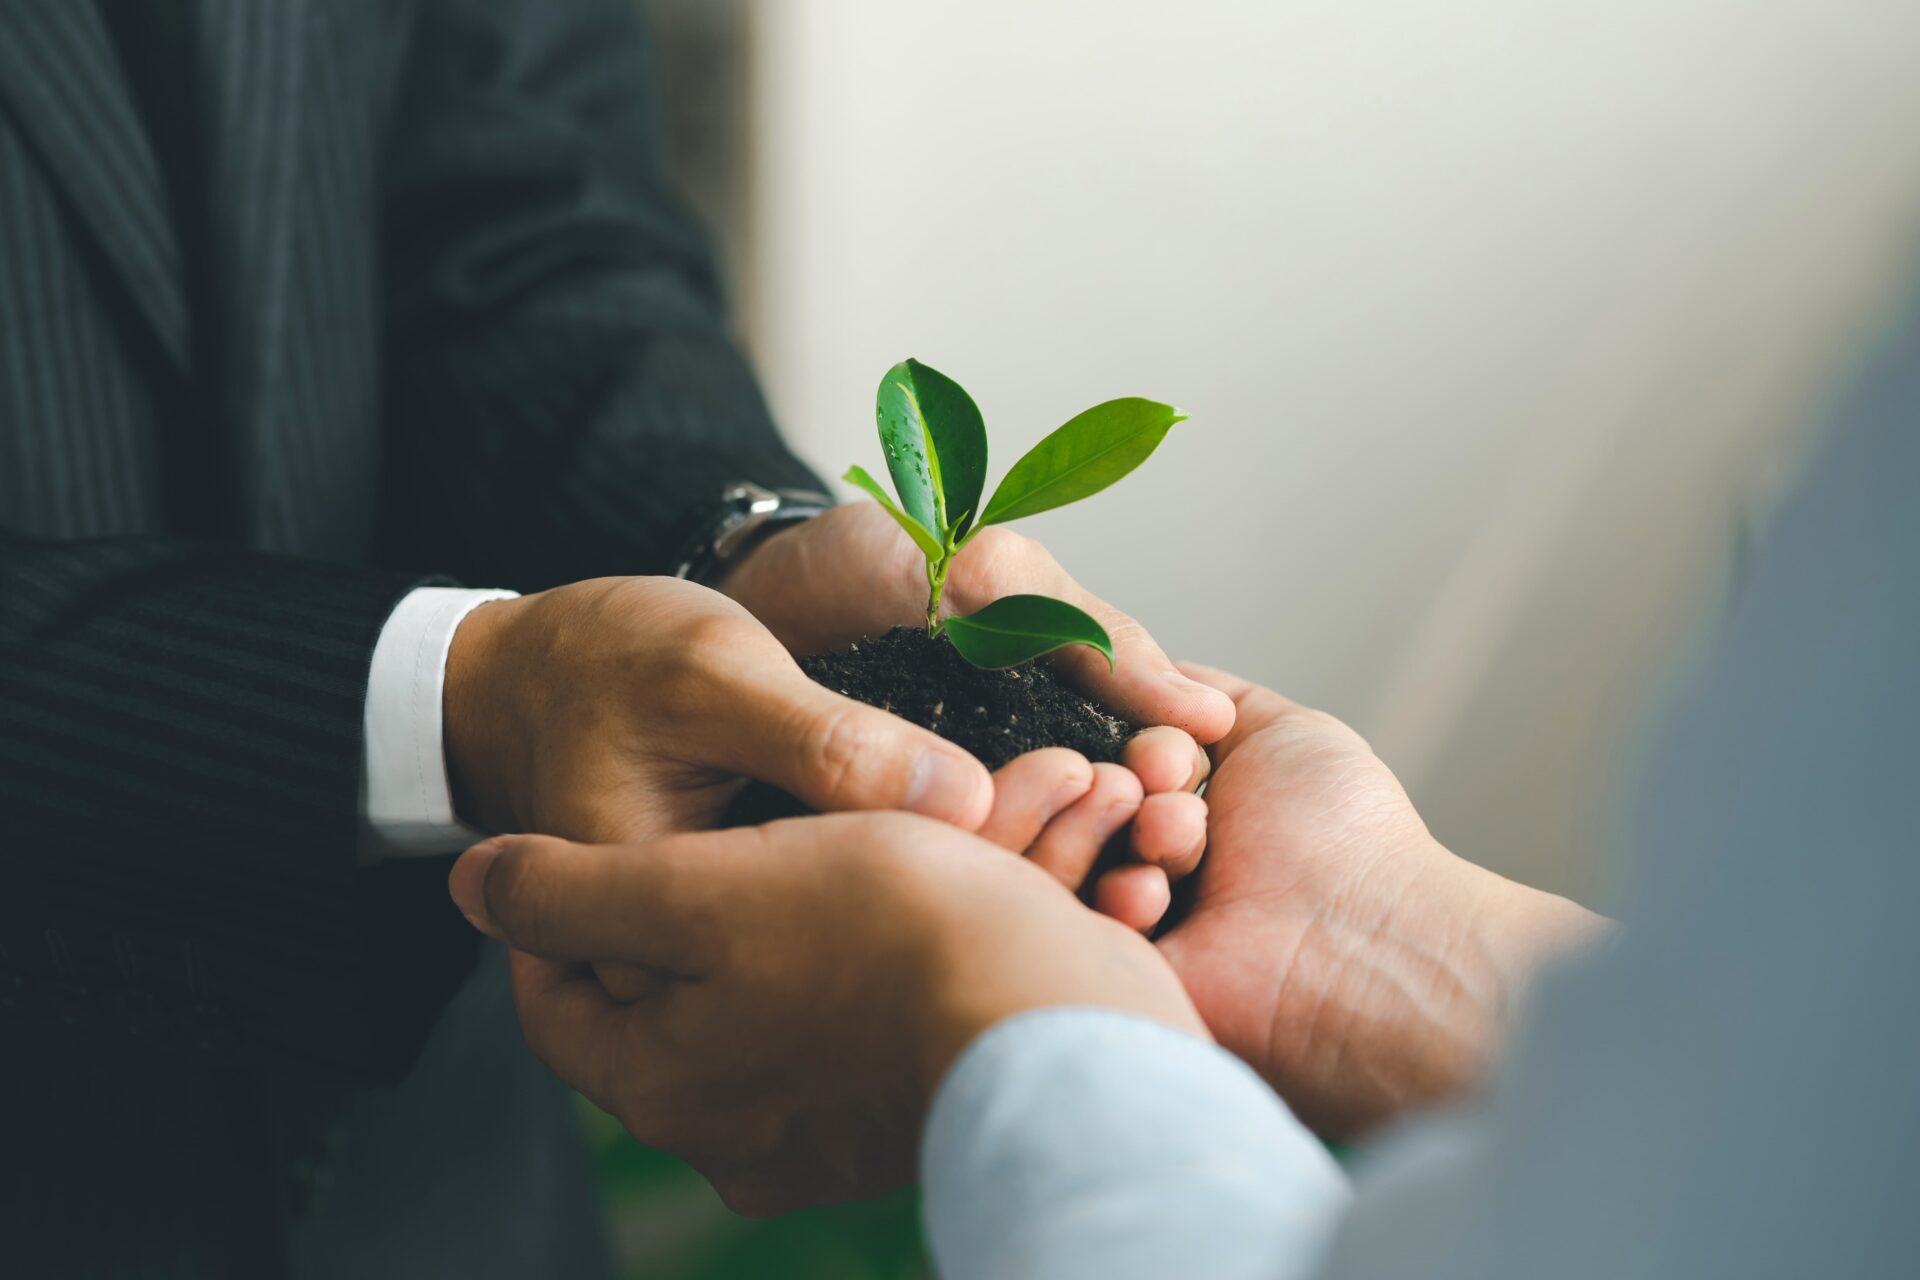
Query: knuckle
[(998, 557), (1123, 630), (705, 656), (718, 635), (838, 747)]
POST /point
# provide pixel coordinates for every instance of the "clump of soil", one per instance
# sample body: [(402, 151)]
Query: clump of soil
[(996, 715)]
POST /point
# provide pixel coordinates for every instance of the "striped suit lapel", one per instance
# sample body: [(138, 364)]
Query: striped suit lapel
[(60, 78), (251, 55)]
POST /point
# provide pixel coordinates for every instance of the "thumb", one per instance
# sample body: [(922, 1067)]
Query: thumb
[(656, 905), (837, 754)]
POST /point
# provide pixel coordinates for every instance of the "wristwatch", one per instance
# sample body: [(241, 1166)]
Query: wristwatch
[(722, 531)]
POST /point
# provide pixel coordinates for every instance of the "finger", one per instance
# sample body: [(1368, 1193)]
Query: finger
[(1170, 832), (1141, 685), (1031, 791), (837, 754), (1135, 895), (1070, 844), (1166, 759), (1255, 706), (569, 1022), (664, 906)]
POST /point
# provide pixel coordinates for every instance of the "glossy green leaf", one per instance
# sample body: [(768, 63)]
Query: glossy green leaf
[(959, 437), (1015, 629), (912, 459), (1090, 452), (929, 545)]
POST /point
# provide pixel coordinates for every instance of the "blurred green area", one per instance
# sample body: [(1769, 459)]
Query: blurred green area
[(666, 1221)]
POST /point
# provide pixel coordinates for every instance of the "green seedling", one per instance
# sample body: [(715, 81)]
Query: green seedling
[(936, 447)]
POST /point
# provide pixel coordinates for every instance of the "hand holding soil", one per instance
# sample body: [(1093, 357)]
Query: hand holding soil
[(844, 590), (833, 588), (628, 708), (851, 574)]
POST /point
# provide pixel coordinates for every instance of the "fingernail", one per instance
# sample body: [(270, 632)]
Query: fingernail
[(944, 785), (1202, 766), (467, 882)]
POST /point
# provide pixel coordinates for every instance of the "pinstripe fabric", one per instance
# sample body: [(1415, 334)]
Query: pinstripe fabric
[(446, 320), (67, 90), (78, 455)]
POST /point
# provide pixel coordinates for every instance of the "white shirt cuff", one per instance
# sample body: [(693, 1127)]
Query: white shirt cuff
[(406, 799)]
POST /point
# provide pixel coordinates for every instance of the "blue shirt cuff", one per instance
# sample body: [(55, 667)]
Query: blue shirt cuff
[(1084, 1141)]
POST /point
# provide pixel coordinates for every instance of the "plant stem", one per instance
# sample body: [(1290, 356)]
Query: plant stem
[(936, 584)]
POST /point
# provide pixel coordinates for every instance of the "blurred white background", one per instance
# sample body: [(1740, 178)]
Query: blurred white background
[(1495, 318)]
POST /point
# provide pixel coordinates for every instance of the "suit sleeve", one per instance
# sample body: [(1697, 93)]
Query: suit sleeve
[(180, 750), (564, 391)]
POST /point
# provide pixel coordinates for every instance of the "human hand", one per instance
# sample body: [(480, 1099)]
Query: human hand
[(820, 976), (1332, 942), (850, 572), (1062, 813), (624, 708)]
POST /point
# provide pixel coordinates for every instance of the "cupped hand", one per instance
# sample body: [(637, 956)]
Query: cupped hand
[(1064, 814), (851, 572), (623, 708), (1332, 942), (819, 976)]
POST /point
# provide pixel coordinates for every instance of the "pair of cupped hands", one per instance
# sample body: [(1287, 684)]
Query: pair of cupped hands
[(777, 1004)]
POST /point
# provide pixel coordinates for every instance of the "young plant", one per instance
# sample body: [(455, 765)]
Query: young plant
[(936, 447)]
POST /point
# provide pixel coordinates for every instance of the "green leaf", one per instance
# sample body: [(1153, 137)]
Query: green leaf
[(911, 456), (1014, 629), (1090, 452), (959, 437), (936, 444), (929, 545)]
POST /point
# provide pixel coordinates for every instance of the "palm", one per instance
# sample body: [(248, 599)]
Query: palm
[(1314, 852)]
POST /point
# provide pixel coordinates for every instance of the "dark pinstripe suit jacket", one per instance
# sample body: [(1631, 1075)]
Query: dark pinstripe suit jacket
[(432, 313)]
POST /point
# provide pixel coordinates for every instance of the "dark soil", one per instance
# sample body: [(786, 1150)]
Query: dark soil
[(996, 715)]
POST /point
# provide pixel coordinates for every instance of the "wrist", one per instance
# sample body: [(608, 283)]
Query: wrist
[(976, 981), (723, 533), (480, 736), (739, 578), (1526, 928), (1420, 996), (1489, 938)]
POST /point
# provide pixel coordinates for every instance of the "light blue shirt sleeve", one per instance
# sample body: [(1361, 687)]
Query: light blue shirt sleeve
[(1089, 1142)]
